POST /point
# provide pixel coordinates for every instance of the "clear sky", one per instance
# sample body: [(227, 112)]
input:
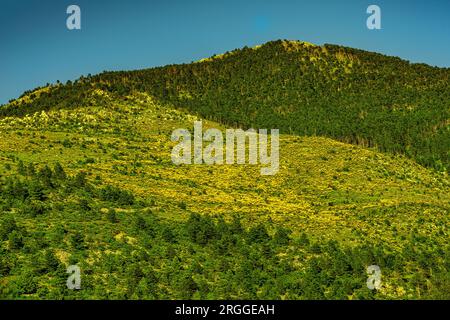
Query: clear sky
[(36, 47)]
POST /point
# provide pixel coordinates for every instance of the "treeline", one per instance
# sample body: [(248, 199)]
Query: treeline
[(349, 94)]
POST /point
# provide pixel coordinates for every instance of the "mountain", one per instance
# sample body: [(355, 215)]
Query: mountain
[(351, 95), (86, 178)]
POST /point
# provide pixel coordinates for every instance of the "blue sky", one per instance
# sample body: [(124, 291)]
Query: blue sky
[(36, 47)]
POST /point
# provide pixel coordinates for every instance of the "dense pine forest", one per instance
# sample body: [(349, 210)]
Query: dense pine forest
[(352, 95)]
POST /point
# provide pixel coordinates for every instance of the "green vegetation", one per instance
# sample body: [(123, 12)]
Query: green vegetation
[(135, 254), (86, 178), (352, 95)]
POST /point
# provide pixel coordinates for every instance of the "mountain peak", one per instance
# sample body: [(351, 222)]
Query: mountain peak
[(298, 87)]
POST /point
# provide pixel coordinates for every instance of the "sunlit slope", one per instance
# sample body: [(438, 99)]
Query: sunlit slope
[(351, 95), (329, 189)]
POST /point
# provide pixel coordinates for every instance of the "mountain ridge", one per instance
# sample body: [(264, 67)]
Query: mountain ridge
[(348, 94)]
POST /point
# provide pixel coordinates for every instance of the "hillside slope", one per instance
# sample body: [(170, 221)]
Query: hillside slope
[(354, 96), (95, 185)]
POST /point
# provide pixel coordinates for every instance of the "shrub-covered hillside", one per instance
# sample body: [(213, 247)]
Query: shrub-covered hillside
[(355, 96), (95, 186)]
